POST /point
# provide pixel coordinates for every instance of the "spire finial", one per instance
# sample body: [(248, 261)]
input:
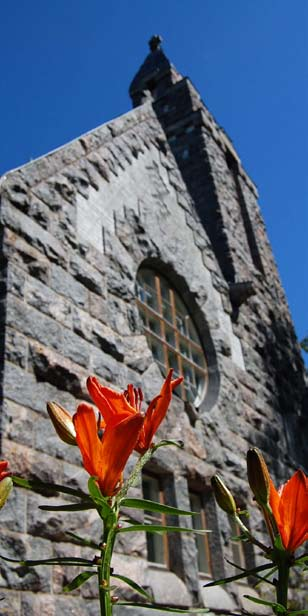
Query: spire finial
[(155, 42)]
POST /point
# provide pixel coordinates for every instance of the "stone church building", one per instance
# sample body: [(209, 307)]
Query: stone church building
[(138, 247)]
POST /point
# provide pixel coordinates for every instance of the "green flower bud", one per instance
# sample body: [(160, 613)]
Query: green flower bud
[(6, 485), (223, 496), (258, 476)]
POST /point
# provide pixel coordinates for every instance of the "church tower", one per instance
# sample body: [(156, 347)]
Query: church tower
[(136, 248)]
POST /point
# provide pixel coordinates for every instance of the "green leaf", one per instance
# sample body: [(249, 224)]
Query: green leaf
[(72, 507), (151, 606), (82, 541), (238, 538), (134, 585), (94, 490), (67, 560), (97, 497), (156, 528), (46, 488), (233, 578), (297, 612), (78, 580), (279, 609), (259, 577), (140, 503), (301, 561), (168, 443)]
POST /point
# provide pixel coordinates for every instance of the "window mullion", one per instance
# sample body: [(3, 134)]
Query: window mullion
[(177, 341), (164, 523), (206, 538), (162, 322)]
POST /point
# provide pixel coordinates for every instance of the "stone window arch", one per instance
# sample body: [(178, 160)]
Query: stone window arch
[(176, 332)]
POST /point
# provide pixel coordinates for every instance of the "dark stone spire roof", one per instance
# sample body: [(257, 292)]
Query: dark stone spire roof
[(155, 75)]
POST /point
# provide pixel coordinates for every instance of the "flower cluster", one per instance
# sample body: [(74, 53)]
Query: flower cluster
[(285, 510), (122, 427)]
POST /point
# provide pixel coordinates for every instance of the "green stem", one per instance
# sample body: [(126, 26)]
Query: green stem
[(104, 567), (134, 476), (282, 583), (249, 536)]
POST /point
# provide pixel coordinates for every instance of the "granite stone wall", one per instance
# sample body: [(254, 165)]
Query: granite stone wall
[(75, 227)]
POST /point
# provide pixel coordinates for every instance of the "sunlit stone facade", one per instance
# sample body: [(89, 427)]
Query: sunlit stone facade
[(159, 188)]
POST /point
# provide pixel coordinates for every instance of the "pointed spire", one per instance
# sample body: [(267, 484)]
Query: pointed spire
[(155, 75), (155, 42)]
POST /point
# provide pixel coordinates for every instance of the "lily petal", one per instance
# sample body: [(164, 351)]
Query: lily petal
[(109, 402), (293, 511), (118, 443), (105, 459), (274, 501), (157, 410), (87, 438)]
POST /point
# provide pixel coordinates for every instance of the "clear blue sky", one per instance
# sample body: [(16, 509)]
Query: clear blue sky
[(67, 65)]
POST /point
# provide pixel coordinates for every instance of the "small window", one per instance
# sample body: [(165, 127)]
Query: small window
[(171, 334), (202, 541), (157, 545)]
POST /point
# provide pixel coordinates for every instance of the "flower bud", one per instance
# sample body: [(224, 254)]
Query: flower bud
[(62, 422), (6, 485), (223, 496), (258, 476)]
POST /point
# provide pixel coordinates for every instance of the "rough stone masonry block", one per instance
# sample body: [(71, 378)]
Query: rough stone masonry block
[(107, 340), (14, 514), (22, 387), (35, 430), (20, 546), (52, 524), (88, 276), (107, 368), (34, 234), (10, 602), (17, 423), (32, 464), (55, 369), (34, 604), (15, 280), (33, 323), (65, 284), (75, 348), (66, 606), (16, 348), (18, 251), (44, 299)]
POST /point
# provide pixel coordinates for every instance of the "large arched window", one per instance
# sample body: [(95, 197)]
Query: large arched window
[(171, 333)]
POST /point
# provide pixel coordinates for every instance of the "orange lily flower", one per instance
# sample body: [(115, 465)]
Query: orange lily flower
[(106, 458), (3, 469), (6, 483), (114, 405), (290, 509)]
